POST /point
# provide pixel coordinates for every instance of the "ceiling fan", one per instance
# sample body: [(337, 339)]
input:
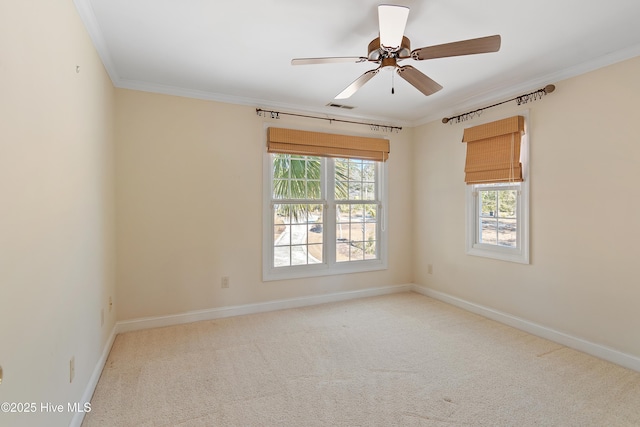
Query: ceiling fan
[(392, 46)]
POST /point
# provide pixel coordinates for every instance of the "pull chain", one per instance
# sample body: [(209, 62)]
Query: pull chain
[(393, 89)]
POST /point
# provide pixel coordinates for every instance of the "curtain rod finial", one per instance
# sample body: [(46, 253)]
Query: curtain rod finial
[(445, 120), (549, 88)]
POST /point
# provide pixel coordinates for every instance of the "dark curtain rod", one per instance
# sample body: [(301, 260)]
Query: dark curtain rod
[(522, 99), (373, 126)]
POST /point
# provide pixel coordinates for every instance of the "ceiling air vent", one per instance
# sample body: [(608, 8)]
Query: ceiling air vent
[(334, 105)]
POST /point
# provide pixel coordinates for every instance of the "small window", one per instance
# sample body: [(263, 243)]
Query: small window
[(496, 221), (497, 194)]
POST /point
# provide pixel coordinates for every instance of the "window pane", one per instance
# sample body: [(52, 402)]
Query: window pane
[(370, 212), (356, 251), (281, 189), (281, 256), (370, 250), (488, 203), (370, 231), (342, 190), (315, 254), (369, 191), (298, 255), (299, 234), (298, 189), (355, 170), (368, 171), (342, 251), (282, 215), (313, 189), (488, 231), (298, 168), (342, 179), (313, 167), (355, 190), (342, 165), (507, 233), (507, 203)]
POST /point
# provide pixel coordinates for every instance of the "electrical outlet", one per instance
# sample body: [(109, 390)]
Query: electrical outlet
[(72, 369), (429, 269), (224, 283)]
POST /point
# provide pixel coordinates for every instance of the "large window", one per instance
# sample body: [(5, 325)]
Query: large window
[(496, 173), (323, 215)]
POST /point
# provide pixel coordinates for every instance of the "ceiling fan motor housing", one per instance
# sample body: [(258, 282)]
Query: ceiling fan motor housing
[(377, 52)]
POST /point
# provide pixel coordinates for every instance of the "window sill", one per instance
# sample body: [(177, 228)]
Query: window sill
[(503, 254), (319, 270)]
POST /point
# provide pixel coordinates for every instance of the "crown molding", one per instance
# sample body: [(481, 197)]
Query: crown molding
[(88, 18)]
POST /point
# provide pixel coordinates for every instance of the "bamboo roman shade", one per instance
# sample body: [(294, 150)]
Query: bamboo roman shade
[(290, 141), (493, 151)]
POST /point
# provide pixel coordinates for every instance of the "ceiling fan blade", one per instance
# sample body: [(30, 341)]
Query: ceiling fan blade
[(420, 81), (464, 47), (357, 84), (392, 20), (327, 60)]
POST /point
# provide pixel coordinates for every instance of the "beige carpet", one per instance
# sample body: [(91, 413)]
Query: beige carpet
[(397, 360)]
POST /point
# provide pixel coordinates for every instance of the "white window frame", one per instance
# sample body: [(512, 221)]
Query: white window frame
[(329, 266), (520, 253)]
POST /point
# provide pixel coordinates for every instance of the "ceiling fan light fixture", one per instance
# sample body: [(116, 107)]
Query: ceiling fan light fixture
[(392, 20)]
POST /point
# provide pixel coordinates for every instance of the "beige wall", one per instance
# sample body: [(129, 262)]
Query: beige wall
[(189, 207), (56, 207), (585, 226)]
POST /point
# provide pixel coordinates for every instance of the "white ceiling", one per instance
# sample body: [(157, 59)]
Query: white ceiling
[(240, 51)]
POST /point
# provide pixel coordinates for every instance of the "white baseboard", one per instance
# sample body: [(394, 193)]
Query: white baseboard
[(597, 350), (76, 421), (238, 310)]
